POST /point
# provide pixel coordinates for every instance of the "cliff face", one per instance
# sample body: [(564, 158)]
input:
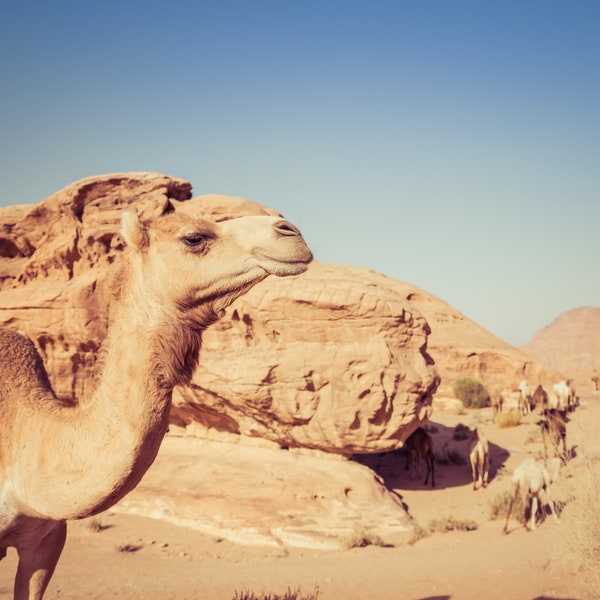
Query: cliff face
[(334, 360)]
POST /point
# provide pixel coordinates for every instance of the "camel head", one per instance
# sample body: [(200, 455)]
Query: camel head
[(195, 266)]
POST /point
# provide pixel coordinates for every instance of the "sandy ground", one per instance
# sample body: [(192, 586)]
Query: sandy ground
[(136, 557)]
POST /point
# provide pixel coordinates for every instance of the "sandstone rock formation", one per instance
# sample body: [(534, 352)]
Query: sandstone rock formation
[(335, 360), (462, 348)]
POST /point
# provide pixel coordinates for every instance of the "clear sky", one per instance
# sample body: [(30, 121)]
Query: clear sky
[(454, 145)]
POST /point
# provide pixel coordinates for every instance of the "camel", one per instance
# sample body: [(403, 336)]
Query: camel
[(497, 403), (532, 480), (61, 461), (540, 398), (479, 456), (524, 398), (554, 433), (420, 445)]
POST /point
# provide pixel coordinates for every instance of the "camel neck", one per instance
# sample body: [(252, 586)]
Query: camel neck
[(117, 432)]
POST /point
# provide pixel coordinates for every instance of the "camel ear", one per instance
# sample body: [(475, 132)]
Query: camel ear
[(132, 230)]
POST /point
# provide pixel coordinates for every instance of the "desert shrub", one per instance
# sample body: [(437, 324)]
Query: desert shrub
[(499, 507), (418, 533), (361, 538), (472, 393), (289, 595), (461, 432), (583, 539), (444, 524), (509, 419), (441, 525), (129, 547)]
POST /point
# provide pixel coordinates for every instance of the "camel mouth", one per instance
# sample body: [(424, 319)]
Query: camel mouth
[(283, 266)]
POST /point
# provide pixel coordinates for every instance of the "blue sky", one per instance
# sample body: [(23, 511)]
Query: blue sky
[(454, 145)]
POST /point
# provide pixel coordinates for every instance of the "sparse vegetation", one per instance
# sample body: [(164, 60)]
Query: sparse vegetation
[(461, 432), (583, 539), (129, 547), (441, 525), (360, 538), (499, 507), (418, 533), (472, 393), (96, 525), (289, 595), (509, 419), (449, 523)]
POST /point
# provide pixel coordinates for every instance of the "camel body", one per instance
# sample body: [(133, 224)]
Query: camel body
[(419, 445), (61, 461), (479, 457)]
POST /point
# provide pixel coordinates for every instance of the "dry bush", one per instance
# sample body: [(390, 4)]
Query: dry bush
[(361, 538), (129, 547), (449, 523), (289, 595), (441, 525), (509, 419), (499, 507), (583, 539), (461, 432), (418, 533)]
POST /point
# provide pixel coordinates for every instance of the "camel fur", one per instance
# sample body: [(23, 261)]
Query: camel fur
[(63, 461)]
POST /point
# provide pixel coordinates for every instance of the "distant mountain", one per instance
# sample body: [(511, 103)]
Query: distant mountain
[(571, 342)]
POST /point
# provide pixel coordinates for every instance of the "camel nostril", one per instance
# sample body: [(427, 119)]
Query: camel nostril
[(286, 228)]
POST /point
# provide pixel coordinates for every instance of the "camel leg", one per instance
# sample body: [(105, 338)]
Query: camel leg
[(37, 560), (547, 499), (474, 473), (486, 470), (430, 469), (512, 501), (534, 509)]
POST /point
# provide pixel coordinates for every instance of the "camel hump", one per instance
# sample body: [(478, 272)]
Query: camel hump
[(21, 366)]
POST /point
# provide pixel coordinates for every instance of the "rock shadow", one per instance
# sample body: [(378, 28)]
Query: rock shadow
[(452, 466)]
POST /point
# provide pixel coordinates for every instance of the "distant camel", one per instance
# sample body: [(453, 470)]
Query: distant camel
[(524, 398), (420, 445), (479, 456), (497, 403), (540, 398), (554, 433), (532, 480), (62, 461)]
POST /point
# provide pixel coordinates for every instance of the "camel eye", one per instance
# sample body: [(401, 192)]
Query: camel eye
[(194, 240)]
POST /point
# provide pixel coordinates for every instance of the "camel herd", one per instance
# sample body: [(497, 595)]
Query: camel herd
[(531, 479)]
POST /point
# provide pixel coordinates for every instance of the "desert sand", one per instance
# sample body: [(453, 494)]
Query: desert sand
[(137, 557)]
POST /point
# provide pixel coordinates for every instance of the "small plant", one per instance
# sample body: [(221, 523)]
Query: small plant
[(441, 525), (418, 533), (509, 419), (499, 507), (461, 432), (471, 393), (289, 595), (361, 538), (449, 523), (129, 547), (96, 525)]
